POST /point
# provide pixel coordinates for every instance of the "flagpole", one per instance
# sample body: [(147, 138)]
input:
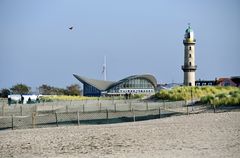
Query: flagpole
[(105, 68)]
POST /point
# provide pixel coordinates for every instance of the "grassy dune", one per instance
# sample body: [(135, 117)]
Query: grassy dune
[(65, 97), (215, 95), (75, 98)]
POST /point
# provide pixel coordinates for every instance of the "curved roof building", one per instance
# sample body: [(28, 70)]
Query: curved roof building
[(136, 84)]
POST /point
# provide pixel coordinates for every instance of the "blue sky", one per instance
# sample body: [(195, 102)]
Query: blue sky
[(137, 36)]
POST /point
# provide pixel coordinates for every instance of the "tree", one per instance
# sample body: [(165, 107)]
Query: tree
[(49, 90), (74, 89), (45, 89), (20, 89), (5, 92), (61, 91)]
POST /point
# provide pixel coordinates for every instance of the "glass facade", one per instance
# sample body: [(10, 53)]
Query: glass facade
[(89, 90), (136, 85)]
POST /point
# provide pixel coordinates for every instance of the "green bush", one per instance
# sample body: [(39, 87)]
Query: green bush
[(207, 99)]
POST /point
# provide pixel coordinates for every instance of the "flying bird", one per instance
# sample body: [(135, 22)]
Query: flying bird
[(70, 28)]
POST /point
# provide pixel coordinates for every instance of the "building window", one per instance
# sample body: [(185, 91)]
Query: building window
[(190, 55), (190, 64), (190, 48), (226, 84)]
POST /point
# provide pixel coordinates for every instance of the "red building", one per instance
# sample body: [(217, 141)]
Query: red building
[(233, 81)]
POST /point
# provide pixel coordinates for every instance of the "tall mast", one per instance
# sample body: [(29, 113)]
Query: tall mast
[(105, 68)]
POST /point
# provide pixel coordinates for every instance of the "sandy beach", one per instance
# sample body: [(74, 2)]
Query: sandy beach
[(198, 135)]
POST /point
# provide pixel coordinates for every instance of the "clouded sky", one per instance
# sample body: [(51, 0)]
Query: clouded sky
[(137, 36)]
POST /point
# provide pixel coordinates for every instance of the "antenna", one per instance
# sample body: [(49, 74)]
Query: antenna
[(104, 71)]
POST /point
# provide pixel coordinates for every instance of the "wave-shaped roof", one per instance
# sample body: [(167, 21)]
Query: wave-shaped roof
[(99, 84), (104, 85)]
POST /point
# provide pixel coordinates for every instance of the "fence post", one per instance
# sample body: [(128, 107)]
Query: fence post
[(36, 108), (67, 108), (83, 108), (12, 122), (56, 119), (147, 106), (164, 104), (107, 114), (214, 108), (52, 109), (159, 112), (134, 117), (21, 110), (33, 119), (115, 107), (78, 118), (112, 99), (130, 106), (100, 107), (3, 113)]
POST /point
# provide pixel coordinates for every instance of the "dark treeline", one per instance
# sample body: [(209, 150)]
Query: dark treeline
[(44, 89), (73, 89)]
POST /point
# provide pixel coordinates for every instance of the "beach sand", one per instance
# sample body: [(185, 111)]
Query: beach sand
[(197, 135)]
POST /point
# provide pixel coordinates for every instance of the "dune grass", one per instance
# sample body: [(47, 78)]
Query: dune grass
[(48, 98), (215, 95)]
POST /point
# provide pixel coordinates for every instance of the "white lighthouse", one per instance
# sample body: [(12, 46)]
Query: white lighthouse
[(189, 66)]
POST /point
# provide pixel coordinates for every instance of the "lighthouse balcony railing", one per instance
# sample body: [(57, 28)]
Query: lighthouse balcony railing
[(187, 67), (189, 41)]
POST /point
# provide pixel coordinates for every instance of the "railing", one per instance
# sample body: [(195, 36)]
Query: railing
[(189, 41), (186, 67)]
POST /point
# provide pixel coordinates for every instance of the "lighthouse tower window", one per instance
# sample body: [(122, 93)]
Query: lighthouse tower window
[(190, 55), (190, 48)]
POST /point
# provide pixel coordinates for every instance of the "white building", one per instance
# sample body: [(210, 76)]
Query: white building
[(17, 97)]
